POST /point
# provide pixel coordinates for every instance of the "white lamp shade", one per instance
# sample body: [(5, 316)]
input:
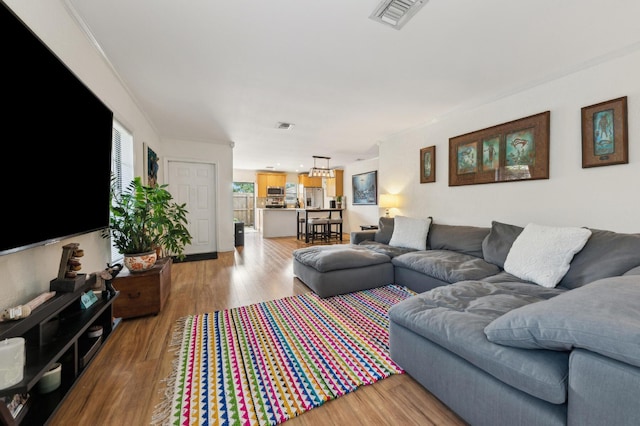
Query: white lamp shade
[(388, 201)]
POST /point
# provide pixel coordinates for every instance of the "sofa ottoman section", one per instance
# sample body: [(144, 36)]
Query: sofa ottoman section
[(344, 268)]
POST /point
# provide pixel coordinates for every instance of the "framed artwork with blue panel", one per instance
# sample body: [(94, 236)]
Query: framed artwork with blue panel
[(516, 150), (604, 133), (365, 188)]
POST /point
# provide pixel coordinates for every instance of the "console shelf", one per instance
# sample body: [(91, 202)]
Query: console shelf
[(55, 332)]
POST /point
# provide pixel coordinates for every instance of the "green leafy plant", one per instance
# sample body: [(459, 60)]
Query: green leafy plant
[(144, 218)]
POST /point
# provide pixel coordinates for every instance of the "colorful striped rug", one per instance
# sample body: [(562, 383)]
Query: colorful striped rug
[(266, 363)]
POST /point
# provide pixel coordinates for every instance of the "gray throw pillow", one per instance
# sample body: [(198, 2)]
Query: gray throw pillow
[(497, 244), (602, 317)]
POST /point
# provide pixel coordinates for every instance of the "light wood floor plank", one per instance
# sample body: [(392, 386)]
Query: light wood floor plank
[(123, 384)]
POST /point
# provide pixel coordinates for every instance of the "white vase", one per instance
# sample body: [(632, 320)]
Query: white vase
[(140, 262)]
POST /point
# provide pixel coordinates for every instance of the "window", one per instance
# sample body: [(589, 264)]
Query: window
[(121, 166)]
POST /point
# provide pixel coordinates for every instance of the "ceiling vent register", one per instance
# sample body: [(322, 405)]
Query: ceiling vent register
[(396, 13)]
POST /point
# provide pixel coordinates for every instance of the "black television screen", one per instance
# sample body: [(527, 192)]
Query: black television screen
[(56, 134)]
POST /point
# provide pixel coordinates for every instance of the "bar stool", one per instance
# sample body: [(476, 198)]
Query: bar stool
[(302, 224), (337, 231), (318, 228)]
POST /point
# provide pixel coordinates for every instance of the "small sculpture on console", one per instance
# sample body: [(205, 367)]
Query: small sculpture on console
[(108, 275)]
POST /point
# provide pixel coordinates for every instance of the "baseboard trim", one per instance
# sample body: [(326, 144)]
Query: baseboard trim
[(197, 256)]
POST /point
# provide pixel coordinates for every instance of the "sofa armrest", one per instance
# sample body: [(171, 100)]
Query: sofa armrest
[(357, 237), (602, 390)]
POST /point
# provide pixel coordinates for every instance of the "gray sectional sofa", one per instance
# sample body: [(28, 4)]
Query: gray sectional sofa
[(502, 350)]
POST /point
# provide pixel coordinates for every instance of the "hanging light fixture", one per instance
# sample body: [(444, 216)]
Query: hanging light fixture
[(316, 171)]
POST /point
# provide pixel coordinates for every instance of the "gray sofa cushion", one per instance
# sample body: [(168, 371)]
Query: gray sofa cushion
[(448, 266), (385, 230), (496, 245), (454, 316), (463, 239), (606, 254), (340, 256), (603, 317), (385, 248)]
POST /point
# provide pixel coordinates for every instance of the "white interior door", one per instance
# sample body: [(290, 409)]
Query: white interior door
[(194, 183)]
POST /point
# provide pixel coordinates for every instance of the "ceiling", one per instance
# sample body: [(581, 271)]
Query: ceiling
[(220, 71)]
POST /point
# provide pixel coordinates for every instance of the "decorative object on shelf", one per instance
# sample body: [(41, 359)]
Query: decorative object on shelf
[(88, 299), (68, 277), (51, 380), (517, 150), (25, 310), (365, 188), (12, 358), (15, 405), (428, 164), (108, 275), (143, 219), (604, 134), (388, 201), (316, 171), (338, 201)]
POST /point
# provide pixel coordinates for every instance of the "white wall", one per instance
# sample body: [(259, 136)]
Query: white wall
[(358, 215), (606, 197)]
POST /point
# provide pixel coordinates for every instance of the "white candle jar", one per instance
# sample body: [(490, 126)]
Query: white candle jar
[(12, 360)]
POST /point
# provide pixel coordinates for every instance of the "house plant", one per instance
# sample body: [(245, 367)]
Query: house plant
[(145, 222)]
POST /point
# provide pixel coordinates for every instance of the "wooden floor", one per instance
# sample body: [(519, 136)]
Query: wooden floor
[(123, 384)]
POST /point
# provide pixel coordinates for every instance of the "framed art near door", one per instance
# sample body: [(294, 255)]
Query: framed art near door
[(517, 150), (604, 134), (151, 164)]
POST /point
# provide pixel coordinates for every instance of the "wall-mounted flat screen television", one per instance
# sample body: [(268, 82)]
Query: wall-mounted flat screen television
[(56, 136)]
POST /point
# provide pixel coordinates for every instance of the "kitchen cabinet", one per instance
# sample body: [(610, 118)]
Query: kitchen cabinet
[(335, 184), (309, 182), (264, 180)]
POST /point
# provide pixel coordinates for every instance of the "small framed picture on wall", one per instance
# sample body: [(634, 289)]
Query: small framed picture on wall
[(428, 164), (604, 133)]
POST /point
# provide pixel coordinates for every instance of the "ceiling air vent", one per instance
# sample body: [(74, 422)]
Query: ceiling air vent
[(396, 13), (284, 126)]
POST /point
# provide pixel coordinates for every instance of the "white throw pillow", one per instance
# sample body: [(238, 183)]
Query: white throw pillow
[(410, 232), (543, 254)]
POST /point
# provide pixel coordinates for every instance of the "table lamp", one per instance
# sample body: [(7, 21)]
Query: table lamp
[(388, 201)]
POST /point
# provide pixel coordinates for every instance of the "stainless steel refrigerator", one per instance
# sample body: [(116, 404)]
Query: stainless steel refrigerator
[(313, 198)]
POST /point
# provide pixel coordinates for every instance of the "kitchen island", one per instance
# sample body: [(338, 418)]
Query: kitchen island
[(277, 222)]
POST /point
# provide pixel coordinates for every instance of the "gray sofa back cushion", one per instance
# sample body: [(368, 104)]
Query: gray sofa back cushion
[(496, 246), (606, 254), (385, 230), (601, 317), (463, 239)]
